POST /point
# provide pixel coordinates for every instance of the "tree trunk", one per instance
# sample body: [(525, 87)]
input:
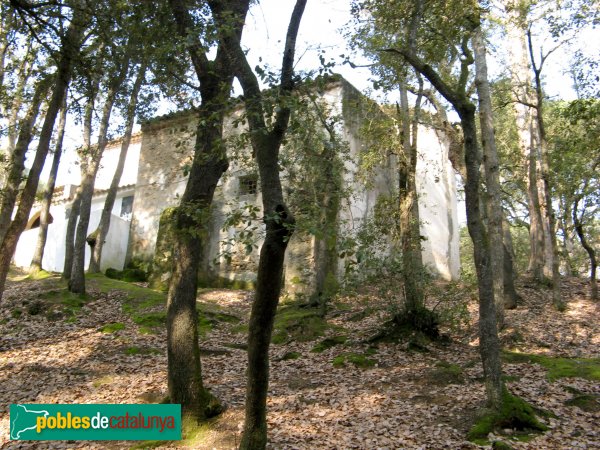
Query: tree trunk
[(545, 173), (510, 293), (588, 248), (38, 255), (209, 163), (111, 195), (77, 280), (73, 214), (489, 345), (279, 227), (70, 51), (521, 80), (328, 198), (491, 168), (410, 233), (16, 165)]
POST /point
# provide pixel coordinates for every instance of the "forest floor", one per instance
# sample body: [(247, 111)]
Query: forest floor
[(330, 388)]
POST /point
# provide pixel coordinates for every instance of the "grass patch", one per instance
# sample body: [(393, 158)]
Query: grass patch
[(585, 402), (58, 297), (357, 359), (296, 323), (291, 355), (39, 275), (446, 373), (135, 350), (587, 368), (112, 327), (138, 298), (328, 343), (193, 435), (103, 381), (515, 414)]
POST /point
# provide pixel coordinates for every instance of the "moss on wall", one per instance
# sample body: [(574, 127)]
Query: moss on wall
[(162, 262)]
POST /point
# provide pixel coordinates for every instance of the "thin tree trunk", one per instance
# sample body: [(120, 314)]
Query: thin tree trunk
[(16, 165), (279, 228), (328, 197), (521, 81), (24, 71), (410, 235), (104, 225), (69, 52), (545, 173), (489, 344), (77, 280), (83, 153), (569, 244), (511, 296), (209, 163), (38, 255), (491, 169), (588, 248), (70, 234)]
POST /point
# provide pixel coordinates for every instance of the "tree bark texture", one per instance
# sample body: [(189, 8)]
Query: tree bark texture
[(38, 255), (209, 163), (279, 227), (69, 53), (489, 345), (491, 170), (410, 233)]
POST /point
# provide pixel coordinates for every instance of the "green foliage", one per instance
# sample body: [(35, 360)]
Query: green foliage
[(588, 368), (112, 327), (515, 413)]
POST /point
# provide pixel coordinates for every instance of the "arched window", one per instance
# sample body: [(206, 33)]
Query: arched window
[(34, 221)]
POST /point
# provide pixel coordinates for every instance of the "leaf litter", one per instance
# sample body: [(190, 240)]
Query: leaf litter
[(400, 402)]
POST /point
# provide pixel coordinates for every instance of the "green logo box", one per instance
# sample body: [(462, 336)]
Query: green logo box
[(95, 422)]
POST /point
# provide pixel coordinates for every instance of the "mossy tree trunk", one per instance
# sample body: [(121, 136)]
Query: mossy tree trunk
[(190, 218), (266, 142)]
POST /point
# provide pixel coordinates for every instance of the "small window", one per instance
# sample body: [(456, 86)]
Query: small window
[(127, 207), (248, 185)]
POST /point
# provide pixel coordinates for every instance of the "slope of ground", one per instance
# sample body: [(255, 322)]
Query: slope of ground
[(341, 394)]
